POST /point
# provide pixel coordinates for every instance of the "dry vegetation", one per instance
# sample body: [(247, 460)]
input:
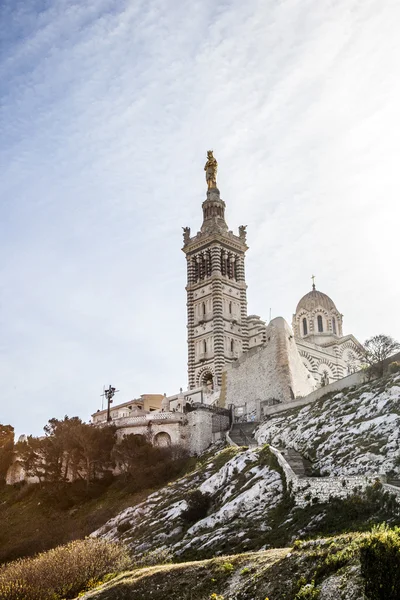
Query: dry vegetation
[(63, 572)]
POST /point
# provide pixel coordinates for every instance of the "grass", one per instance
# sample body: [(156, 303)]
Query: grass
[(296, 573), (279, 574), (194, 580), (30, 525)]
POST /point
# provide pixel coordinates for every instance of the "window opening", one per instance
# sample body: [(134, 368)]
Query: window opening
[(305, 330)]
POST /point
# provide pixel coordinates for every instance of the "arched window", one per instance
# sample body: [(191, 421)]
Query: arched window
[(204, 308), (230, 308), (334, 325), (320, 324), (305, 330), (205, 346), (232, 345)]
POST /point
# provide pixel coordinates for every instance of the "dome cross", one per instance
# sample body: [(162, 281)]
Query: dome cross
[(313, 281)]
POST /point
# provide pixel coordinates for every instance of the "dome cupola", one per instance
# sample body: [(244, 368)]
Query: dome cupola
[(317, 319)]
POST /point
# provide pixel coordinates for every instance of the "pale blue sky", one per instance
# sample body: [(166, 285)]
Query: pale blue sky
[(107, 110)]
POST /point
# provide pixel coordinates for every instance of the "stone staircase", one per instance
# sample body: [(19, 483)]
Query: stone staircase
[(301, 466), (242, 434)]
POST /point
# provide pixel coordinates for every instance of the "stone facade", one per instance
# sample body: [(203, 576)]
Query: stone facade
[(146, 403), (306, 490), (318, 330), (191, 425), (267, 374), (216, 295)]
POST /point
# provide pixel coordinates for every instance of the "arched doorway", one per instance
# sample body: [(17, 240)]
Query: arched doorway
[(208, 381), (162, 439)]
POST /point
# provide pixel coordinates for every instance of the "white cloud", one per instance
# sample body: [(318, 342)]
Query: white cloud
[(107, 112)]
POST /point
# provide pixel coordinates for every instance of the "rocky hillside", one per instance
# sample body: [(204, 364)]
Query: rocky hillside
[(243, 485), (352, 432)]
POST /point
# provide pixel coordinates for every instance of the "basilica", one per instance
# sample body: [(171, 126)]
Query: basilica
[(219, 329), (239, 366)]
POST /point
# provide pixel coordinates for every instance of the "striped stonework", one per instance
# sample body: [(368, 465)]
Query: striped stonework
[(216, 295)]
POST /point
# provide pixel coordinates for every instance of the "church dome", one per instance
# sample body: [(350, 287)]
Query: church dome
[(313, 299), (317, 318)]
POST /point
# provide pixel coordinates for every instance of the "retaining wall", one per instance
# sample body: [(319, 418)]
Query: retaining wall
[(336, 386), (305, 490)]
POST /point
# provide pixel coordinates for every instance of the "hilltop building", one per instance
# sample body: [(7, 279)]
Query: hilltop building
[(216, 290), (237, 364), (219, 329)]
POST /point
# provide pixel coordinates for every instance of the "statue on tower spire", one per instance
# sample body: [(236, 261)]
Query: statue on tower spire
[(211, 168)]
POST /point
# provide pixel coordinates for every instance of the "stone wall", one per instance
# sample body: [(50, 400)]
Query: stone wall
[(272, 372), (392, 489), (305, 490), (194, 430), (16, 473), (349, 381), (200, 434), (336, 386)]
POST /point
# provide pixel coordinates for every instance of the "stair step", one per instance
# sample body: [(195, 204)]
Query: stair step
[(296, 462)]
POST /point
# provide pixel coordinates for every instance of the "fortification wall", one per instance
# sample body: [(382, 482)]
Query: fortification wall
[(200, 430), (268, 373), (306, 490), (336, 386)]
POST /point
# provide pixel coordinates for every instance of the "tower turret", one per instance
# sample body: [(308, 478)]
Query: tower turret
[(216, 289)]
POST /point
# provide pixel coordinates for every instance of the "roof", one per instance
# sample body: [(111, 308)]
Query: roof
[(314, 299)]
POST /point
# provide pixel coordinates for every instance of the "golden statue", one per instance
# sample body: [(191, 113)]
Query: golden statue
[(211, 168)]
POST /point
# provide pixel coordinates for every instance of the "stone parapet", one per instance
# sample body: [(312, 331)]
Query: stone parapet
[(306, 490), (154, 417)]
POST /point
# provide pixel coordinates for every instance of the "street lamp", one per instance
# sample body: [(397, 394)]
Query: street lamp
[(109, 394)]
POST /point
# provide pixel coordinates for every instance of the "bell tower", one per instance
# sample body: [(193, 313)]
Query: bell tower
[(216, 290)]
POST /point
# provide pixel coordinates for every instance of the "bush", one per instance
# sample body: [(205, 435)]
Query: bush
[(198, 505), (394, 367), (308, 592), (380, 563), (63, 572), (124, 526)]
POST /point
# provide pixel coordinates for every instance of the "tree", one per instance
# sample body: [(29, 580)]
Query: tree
[(377, 349), (31, 457), (133, 453), (6, 449), (65, 455), (94, 446)]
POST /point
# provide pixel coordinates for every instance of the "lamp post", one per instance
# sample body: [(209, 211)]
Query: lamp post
[(109, 393)]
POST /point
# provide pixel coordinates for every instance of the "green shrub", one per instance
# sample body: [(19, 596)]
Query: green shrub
[(394, 367), (308, 592), (227, 567), (380, 563), (124, 526), (197, 506), (63, 572)]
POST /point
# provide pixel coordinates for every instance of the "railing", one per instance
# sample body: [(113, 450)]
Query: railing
[(145, 419)]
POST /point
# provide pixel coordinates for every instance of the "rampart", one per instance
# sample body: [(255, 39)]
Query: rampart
[(306, 490)]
